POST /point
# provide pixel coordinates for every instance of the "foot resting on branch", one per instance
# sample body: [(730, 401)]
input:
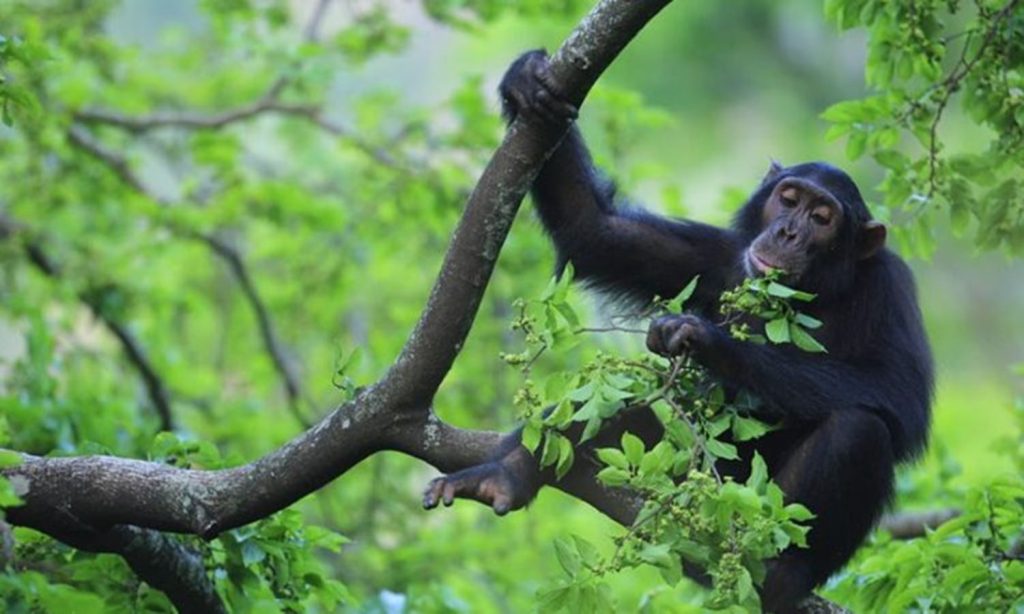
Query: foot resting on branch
[(506, 484)]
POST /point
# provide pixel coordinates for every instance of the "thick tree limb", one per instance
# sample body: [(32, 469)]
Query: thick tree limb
[(100, 492), (492, 206), (160, 561), (66, 494)]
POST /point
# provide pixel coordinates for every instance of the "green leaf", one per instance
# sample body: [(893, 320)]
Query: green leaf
[(719, 425), (555, 600), (633, 448), (804, 340), (588, 553), (561, 416), (531, 436), (856, 143), (9, 458), (658, 554), (591, 430), (612, 476), (758, 473), (613, 457), (651, 464), (745, 429), (610, 393), (777, 330), (676, 304), (569, 314), (781, 291), (583, 393), (568, 557), (566, 456), (798, 512), (692, 551), (549, 455), (807, 321), (720, 449)]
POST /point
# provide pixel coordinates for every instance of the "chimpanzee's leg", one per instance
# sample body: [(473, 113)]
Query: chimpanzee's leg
[(513, 477), (843, 472)]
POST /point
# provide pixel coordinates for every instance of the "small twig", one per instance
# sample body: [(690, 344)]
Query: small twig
[(529, 364), (146, 123), (908, 525), (662, 394), (133, 349), (952, 83), (227, 253), (275, 349), (85, 142), (633, 528), (611, 329), (268, 103), (312, 30), (1016, 550), (310, 34), (376, 153)]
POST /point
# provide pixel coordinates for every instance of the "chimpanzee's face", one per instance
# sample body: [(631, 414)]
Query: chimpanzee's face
[(800, 220)]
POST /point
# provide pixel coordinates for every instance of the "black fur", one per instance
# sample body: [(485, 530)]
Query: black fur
[(849, 415)]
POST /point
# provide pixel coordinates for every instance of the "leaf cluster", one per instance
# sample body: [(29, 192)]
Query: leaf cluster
[(692, 515), (924, 56)]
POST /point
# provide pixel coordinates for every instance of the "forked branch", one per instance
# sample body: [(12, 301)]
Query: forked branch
[(76, 499)]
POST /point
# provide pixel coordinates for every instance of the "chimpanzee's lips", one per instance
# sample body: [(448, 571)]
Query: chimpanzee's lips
[(760, 263)]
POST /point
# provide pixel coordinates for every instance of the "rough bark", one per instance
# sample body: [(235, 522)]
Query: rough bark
[(115, 504), (80, 500)]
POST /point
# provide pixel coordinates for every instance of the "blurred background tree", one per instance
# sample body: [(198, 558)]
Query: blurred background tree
[(223, 216)]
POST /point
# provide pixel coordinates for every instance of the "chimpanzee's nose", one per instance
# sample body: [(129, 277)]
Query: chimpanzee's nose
[(786, 231)]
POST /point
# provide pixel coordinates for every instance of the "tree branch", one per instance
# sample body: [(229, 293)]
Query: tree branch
[(133, 349), (236, 265), (268, 103), (101, 492), (908, 525), (64, 495), (160, 561), (271, 343), (435, 342), (195, 121)]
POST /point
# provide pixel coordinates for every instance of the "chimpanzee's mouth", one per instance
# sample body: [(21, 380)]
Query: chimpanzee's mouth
[(760, 263)]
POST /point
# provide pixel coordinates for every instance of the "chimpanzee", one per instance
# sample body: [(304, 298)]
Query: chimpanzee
[(847, 416)]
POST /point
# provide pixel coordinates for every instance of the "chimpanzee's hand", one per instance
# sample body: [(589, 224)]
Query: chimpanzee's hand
[(527, 88), (672, 335)]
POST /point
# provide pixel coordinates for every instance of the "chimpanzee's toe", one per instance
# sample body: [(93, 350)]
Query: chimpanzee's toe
[(489, 484)]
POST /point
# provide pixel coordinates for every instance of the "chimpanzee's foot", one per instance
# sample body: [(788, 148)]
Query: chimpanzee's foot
[(505, 485)]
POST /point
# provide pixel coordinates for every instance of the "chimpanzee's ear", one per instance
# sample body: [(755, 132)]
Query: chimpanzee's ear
[(773, 171), (871, 239)]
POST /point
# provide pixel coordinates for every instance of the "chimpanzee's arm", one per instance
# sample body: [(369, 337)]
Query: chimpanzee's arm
[(628, 251), (796, 385)]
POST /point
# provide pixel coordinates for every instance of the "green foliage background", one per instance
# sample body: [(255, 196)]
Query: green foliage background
[(338, 196)]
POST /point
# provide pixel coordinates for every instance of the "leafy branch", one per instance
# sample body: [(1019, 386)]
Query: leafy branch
[(106, 492)]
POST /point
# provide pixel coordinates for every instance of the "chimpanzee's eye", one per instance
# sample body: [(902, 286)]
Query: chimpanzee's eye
[(820, 219), (788, 197)]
